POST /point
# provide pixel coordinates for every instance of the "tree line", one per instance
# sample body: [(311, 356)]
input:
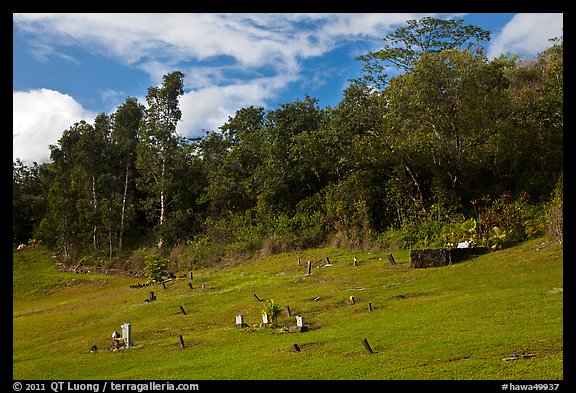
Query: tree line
[(455, 146)]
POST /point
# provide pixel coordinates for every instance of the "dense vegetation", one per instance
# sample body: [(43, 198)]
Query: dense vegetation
[(455, 147)]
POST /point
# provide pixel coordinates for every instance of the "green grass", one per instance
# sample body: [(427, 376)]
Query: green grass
[(455, 322)]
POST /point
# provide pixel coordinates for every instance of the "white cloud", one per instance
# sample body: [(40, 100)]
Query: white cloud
[(39, 118), (527, 34), (209, 108), (251, 40), (262, 55)]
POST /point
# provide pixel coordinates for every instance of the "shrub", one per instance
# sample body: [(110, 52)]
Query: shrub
[(91, 261), (155, 267), (555, 213), (273, 309)]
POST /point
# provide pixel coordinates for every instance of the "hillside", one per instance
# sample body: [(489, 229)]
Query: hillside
[(455, 322)]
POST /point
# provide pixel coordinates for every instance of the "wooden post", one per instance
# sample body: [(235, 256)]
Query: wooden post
[(181, 341), (309, 267), (367, 346), (287, 309), (391, 260), (369, 306), (182, 309), (190, 285)]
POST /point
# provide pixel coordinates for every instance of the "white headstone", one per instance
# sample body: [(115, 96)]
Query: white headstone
[(299, 321), (127, 334), (240, 319)]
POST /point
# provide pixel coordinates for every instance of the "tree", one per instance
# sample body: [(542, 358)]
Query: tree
[(284, 179), (403, 47), (126, 122), (529, 155), (231, 187), (157, 143), (28, 200)]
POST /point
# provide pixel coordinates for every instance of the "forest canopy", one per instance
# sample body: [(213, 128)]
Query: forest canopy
[(455, 147)]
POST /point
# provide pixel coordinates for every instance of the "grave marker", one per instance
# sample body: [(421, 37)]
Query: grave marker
[(300, 326), (239, 320), (127, 334), (299, 321), (367, 346)]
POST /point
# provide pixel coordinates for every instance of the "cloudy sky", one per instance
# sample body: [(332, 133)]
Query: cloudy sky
[(70, 67)]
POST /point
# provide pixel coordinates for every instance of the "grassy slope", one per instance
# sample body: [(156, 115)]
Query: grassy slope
[(456, 322)]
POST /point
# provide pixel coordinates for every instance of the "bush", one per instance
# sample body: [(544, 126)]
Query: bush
[(273, 309), (155, 267), (555, 213)]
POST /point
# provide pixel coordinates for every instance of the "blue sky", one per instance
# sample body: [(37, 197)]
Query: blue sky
[(70, 67)]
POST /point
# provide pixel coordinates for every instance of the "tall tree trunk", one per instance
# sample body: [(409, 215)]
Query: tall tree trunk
[(123, 210), (162, 197), (94, 211)]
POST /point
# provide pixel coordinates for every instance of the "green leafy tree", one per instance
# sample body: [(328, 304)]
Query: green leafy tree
[(231, 186), (403, 47), (158, 142), (126, 121), (28, 200)]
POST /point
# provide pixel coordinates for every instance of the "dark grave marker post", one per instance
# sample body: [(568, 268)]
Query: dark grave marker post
[(367, 346)]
